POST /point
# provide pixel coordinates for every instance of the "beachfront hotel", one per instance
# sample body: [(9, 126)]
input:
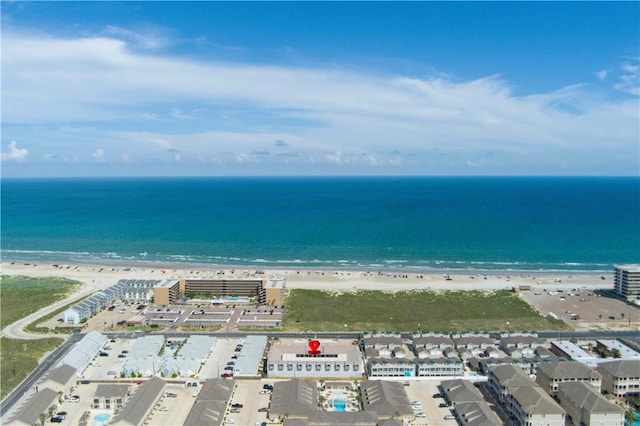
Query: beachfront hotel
[(626, 282), (266, 291)]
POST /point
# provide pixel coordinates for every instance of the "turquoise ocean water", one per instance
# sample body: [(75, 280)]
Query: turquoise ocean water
[(421, 223)]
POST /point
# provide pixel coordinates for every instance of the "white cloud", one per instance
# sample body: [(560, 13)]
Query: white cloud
[(240, 108), (629, 78), (15, 153), (98, 155), (602, 75)]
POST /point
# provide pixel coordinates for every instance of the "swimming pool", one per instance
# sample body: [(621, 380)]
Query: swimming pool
[(101, 419), (339, 404)]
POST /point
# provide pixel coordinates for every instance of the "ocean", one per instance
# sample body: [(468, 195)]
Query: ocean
[(370, 223)]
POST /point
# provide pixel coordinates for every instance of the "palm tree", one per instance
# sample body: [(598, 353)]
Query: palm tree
[(60, 396)]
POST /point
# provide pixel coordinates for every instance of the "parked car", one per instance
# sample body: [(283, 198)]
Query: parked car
[(163, 408), (263, 410), (237, 405), (171, 394), (438, 395), (449, 417), (421, 415), (57, 419), (443, 405), (235, 410), (104, 354), (226, 375), (122, 356), (264, 392)]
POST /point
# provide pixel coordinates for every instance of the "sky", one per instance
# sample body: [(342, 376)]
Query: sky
[(110, 89)]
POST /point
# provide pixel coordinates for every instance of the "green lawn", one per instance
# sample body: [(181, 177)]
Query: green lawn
[(21, 296), (313, 310)]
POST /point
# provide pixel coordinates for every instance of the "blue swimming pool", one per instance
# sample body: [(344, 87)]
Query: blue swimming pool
[(101, 419)]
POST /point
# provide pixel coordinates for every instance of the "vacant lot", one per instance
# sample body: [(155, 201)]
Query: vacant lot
[(21, 296), (312, 310), (20, 357)]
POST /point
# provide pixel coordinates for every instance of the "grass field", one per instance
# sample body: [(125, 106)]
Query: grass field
[(21, 296), (19, 358), (313, 310)]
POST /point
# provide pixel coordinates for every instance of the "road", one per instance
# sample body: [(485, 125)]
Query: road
[(29, 383)]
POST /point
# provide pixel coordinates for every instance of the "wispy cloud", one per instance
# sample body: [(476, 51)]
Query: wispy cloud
[(128, 90)]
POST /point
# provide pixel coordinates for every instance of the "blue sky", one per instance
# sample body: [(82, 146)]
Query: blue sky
[(320, 88)]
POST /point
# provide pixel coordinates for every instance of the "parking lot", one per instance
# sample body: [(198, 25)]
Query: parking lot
[(595, 308)]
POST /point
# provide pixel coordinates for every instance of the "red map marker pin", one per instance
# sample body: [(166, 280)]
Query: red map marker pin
[(314, 345)]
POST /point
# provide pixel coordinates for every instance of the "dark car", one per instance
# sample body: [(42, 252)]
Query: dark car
[(225, 375), (263, 410), (237, 405), (61, 414), (57, 419), (122, 356), (438, 395), (104, 354), (228, 368), (267, 386), (443, 404)]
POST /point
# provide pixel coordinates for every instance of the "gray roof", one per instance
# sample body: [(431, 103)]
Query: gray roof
[(112, 391), (511, 376), (357, 418), (459, 391), (248, 362), (298, 398), (206, 413), (586, 397), (534, 400), (211, 403), (385, 398), (623, 368), (135, 410), (567, 370), (39, 403), (61, 374), (477, 414), (216, 390)]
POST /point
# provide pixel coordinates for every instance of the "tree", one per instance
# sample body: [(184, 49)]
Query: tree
[(599, 316), (622, 316), (60, 396)]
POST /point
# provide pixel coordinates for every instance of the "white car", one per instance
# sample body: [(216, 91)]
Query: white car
[(265, 392), (163, 408), (231, 422), (421, 415)]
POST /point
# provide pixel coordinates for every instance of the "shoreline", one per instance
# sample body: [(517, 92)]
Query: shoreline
[(105, 274), (291, 266)]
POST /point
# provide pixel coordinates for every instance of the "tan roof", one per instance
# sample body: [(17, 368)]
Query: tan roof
[(459, 391), (298, 398), (61, 374), (511, 376)]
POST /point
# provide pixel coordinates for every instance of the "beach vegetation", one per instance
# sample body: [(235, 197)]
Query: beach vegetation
[(18, 358), (445, 311), (21, 296)]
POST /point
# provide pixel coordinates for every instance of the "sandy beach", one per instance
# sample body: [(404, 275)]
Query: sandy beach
[(97, 277)]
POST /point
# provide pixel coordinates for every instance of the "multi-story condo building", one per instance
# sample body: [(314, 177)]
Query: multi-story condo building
[(586, 406), (626, 282), (549, 375), (620, 378)]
